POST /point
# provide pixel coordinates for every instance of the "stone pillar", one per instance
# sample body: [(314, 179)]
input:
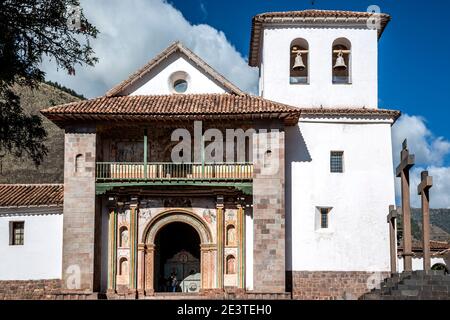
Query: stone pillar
[(112, 247), (269, 270), (207, 265), (149, 269), (220, 242), (241, 248), (79, 210), (407, 161), (133, 244), (424, 191), (141, 269), (392, 220)]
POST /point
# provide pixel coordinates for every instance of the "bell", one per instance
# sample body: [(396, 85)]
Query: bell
[(298, 63), (340, 62)]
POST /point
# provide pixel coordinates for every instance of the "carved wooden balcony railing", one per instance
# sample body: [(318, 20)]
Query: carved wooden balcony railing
[(164, 171)]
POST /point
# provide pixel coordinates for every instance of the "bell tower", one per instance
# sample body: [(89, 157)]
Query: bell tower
[(317, 58)]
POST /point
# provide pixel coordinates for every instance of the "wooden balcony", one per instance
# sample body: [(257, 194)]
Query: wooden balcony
[(168, 171)]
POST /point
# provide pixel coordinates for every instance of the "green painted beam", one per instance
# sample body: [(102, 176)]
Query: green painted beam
[(103, 187)]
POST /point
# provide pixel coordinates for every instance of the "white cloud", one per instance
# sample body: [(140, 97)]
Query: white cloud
[(430, 152), (132, 32)]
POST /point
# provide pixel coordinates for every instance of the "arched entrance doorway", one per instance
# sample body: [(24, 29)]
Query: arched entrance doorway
[(158, 243), (177, 258)]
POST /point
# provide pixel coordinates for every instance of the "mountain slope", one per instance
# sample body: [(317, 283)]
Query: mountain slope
[(14, 170)]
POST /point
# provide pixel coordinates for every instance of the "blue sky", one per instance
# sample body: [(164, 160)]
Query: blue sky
[(414, 66)]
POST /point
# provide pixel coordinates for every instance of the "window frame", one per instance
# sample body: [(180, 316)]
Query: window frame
[(342, 161), (13, 240), (324, 212)]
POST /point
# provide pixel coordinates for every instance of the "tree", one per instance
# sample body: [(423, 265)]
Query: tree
[(29, 31)]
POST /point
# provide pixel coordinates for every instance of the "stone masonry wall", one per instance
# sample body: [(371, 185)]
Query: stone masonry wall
[(334, 285), (269, 214), (79, 210), (29, 289)]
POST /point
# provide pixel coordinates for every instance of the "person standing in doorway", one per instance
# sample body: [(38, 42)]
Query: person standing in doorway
[(173, 282)]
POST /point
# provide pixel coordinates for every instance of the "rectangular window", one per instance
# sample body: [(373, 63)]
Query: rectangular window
[(17, 229), (337, 161), (324, 212)]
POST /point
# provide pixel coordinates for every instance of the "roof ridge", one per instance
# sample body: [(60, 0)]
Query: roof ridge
[(174, 47)]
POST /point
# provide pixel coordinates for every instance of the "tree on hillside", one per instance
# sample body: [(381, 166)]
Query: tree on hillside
[(31, 30)]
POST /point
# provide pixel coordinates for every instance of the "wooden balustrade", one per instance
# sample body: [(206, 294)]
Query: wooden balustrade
[(109, 171)]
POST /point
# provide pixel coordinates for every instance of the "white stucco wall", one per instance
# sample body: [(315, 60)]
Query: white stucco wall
[(158, 80), (41, 255), (358, 238), (274, 83)]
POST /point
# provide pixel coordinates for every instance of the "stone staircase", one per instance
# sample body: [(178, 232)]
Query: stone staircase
[(416, 285)]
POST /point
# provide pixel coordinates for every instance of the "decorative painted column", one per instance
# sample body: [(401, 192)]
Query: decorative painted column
[(392, 220), (407, 161), (424, 191), (207, 265), (220, 241), (141, 269), (112, 246), (133, 244), (149, 268), (241, 248)]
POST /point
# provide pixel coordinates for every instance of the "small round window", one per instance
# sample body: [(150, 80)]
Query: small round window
[(180, 85)]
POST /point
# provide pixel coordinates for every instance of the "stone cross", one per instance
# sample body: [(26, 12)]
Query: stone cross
[(392, 220), (406, 162), (423, 189)]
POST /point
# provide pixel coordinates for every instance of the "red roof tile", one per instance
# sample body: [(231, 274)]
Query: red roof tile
[(174, 106), (25, 195)]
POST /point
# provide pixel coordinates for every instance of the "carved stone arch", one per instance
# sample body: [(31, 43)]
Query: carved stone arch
[(176, 215), (207, 248)]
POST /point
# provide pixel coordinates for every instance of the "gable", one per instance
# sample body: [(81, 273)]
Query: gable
[(176, 64), (161, 79)]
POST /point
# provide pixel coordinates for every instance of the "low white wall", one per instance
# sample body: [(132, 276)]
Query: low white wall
[(41, 255), (417, 263)]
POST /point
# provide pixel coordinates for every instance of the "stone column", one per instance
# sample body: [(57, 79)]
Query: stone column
[(392, 220), (141, 269), (407, 161), (269, 271), (149, 269), (424, 191), (220, 242), (241, 248), (112, 247), (79, 209), (133, 244), (207, 265)]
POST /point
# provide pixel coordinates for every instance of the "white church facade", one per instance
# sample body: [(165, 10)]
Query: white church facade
[(295, 208)]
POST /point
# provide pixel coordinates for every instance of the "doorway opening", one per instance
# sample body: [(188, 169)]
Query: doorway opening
[(177, 259)]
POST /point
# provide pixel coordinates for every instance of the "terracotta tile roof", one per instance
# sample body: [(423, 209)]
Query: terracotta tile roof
[(25, 195), (172, 107), (351, 112), (434, 246), (175, 47), (306, 17)]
